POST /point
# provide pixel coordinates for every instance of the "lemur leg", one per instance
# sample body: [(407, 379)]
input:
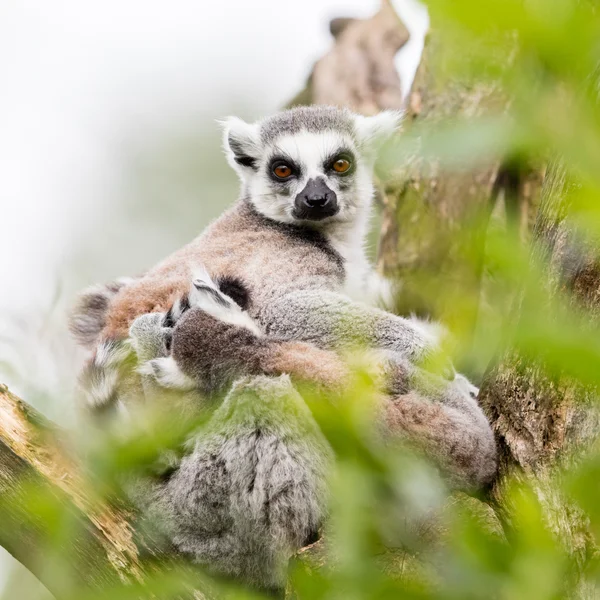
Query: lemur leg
[(443, 419), (458, 438), (332, 321), (254, 488)]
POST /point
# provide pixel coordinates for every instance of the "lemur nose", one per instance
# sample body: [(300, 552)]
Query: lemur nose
[(316, 201)]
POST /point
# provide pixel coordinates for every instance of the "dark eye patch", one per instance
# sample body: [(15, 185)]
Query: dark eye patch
[(281, 159), (341, 153), (246, 161)]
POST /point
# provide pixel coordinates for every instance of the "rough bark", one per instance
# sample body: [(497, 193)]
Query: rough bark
[(544, 421)]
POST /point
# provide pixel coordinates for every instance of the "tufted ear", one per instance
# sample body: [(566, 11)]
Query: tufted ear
[(373, 131), (241, 142)]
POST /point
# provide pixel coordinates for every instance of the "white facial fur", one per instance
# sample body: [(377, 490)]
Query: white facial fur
[(309, 150)]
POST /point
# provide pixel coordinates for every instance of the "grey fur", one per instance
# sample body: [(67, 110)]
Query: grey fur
[(443, 419), (331, 320), (148, 336), (306, 118), (252, 490), (99, 380)]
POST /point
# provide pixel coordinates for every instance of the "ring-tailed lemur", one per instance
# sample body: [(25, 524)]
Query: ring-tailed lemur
[(291, 289), (290, 252)]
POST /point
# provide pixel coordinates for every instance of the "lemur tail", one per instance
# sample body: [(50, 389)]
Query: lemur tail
[(88, 317), (99, 378)]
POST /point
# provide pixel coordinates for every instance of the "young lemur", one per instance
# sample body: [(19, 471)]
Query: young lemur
[(281, 285)]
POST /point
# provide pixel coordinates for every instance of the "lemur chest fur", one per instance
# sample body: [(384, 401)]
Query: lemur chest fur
[(349, 242), (356, 269)]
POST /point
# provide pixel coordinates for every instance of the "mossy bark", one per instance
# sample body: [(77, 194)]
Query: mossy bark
[(545, 422)]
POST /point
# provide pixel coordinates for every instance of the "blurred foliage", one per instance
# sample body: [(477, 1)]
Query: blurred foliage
[(394, 532)]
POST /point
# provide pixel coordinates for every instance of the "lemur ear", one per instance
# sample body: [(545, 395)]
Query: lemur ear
[(241, 143), (373, 131)]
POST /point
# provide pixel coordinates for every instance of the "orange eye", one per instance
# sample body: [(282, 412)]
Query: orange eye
[(282, 171), (341, 165)]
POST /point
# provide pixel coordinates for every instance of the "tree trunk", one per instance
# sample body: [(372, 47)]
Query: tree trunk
[(428, 214), (543, 421), (436, 217), (359, 71)]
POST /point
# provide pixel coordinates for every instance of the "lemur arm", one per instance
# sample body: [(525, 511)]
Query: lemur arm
[(333, 321), (210, 355), (210, 342)]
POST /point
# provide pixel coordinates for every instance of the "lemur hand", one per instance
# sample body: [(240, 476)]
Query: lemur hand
[(150, 337)]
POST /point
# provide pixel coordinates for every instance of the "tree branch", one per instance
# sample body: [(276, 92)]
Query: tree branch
[(33, 457)]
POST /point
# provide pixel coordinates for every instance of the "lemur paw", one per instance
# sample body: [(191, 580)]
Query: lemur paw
[(167, 374), (150, 337), (432, 357)]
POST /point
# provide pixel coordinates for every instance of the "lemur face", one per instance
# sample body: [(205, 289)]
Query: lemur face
[(310, 165)]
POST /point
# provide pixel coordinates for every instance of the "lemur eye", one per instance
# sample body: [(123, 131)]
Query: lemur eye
[(282, 171), (341, 165)]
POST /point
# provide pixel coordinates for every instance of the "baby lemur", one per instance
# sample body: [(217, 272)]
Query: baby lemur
[(280, 285)]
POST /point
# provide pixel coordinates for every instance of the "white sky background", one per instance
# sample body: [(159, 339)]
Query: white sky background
[(78, 76)]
